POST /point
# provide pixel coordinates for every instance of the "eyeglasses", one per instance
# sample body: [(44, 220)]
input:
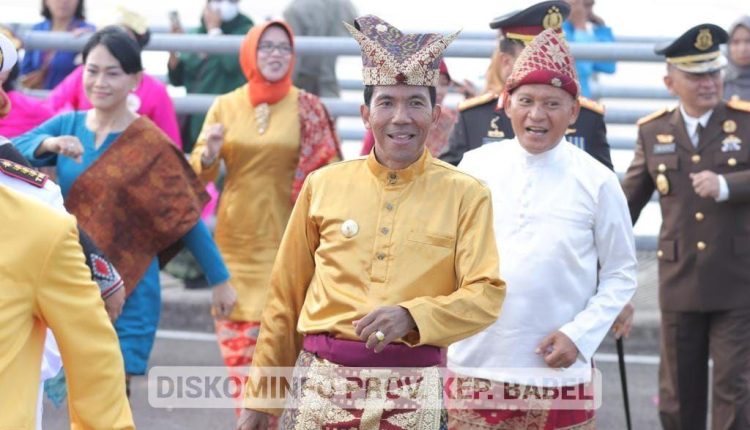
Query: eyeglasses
[(268, 48)]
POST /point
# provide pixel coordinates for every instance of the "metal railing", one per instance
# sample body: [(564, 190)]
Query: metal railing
[(467, 46), (305, 45), (22, 28), (199, 103)]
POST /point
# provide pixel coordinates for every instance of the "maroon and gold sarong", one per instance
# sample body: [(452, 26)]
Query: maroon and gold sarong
[(501, 419), (541, 410), (137, 200), (407, 397)]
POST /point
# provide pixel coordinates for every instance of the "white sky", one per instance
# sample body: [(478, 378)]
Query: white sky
[(632, 17)]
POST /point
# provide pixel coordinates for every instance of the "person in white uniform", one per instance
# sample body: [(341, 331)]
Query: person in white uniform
[(566, 244)]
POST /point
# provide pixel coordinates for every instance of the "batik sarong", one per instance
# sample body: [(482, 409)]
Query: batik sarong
[(371, 398), (237, 341), (540, 409)]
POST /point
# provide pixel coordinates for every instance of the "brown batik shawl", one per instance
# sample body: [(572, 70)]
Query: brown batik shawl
[(137, 200)]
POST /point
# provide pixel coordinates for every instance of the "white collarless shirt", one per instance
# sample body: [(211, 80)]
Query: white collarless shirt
[(557, 215)]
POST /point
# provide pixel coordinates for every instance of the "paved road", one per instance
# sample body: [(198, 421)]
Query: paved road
[(182, 352)]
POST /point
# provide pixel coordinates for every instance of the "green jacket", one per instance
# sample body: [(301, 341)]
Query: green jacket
[(209, 74)]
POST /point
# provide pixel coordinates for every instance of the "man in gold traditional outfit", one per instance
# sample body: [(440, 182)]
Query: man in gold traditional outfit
[(386, 259)]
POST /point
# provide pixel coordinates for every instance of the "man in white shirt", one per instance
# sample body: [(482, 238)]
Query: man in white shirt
[(566, 248)]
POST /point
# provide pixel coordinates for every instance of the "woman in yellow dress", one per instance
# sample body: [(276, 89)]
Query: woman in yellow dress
[(270, 135)]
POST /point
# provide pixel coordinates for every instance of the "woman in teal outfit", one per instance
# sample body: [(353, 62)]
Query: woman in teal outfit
[(123, 179)]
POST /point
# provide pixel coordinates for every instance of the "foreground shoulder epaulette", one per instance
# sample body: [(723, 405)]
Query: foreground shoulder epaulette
[(591, 105), (26, 174), (738, 104), (476, 101), (652, 116)]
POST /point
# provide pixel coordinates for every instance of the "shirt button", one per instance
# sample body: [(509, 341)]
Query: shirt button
[(381, 256), (699, 216), (662, 167), (701, 246), (696, 159), (732, 162), (392, 178), (389, 206), (384, 230)]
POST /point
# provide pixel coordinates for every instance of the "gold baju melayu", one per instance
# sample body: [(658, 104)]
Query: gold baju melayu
[(362, 236)]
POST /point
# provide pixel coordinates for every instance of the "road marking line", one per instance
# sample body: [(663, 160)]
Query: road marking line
[(185, 335)]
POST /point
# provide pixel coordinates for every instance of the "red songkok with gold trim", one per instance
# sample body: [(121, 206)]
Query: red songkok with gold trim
[(545, 60), (390, 57)]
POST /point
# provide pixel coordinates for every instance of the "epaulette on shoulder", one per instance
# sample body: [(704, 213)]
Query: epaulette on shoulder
[(591, 105), (738, 104), (26, 174), (476, 101), (652, 116)]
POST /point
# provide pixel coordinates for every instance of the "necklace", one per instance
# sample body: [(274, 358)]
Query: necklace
[(262, 115)]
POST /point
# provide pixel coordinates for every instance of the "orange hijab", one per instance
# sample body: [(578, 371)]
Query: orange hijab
[(260, 90)]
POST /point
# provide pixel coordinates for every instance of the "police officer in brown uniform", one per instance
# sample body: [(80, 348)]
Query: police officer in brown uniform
[(482, 119), (697, 156)]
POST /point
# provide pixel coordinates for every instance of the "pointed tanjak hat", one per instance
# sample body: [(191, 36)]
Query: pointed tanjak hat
[(390, 57), (546, 60)]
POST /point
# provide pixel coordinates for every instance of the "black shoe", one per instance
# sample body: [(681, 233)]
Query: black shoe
[(197, 283)]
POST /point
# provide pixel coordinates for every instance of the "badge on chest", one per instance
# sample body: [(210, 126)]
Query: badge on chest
[(731, 143), (662, 182), (349, 228), (494, 132), (664, 144)]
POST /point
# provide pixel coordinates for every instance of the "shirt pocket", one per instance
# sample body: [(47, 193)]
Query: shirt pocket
[(667, 250), (666, 163), (727, 162), (665, 171), (431, 238)]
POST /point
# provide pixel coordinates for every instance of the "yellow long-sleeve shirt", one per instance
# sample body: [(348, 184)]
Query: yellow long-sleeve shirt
[(425, 241), (256, 200), (44, 282)]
